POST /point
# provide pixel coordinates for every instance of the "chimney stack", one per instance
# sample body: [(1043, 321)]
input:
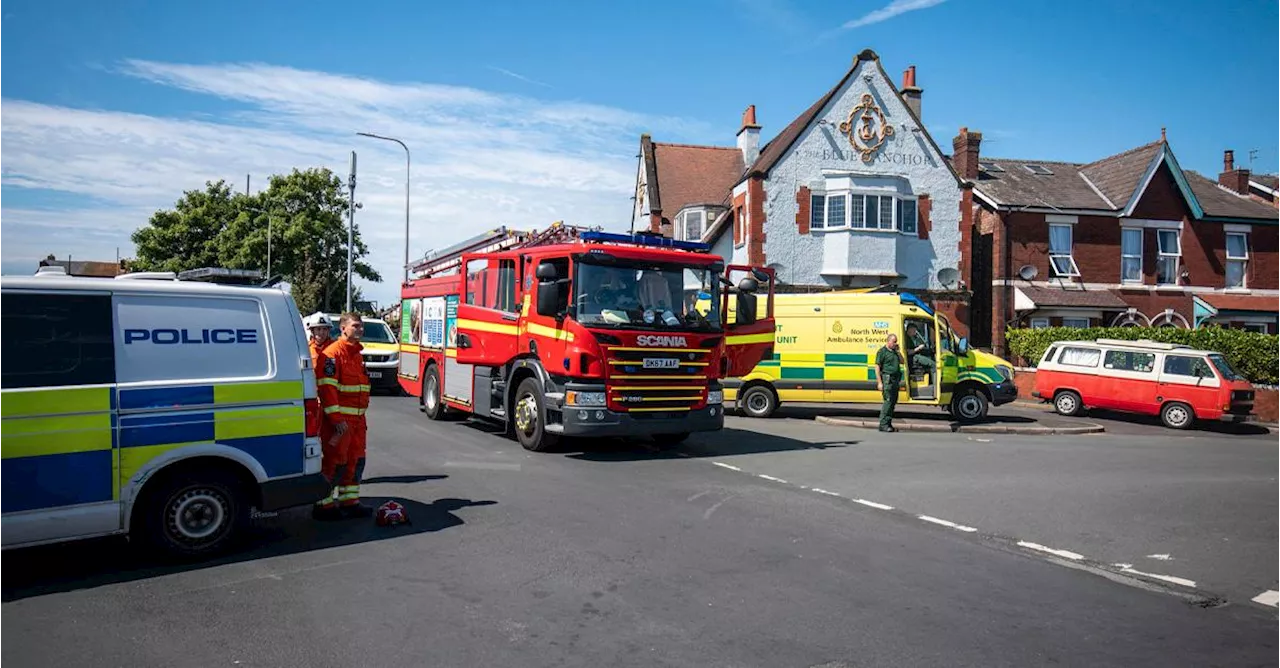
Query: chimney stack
[(910, 92), (965, 155), (749, 137), (1236, 180)]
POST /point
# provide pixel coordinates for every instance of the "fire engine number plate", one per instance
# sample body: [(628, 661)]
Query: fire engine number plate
[(661, 363), (375, 374)]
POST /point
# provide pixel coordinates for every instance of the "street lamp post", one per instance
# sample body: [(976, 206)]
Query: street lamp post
[(406, 195), (268, 215)]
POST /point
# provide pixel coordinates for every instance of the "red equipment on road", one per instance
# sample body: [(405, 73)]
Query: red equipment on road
[(577, 332)]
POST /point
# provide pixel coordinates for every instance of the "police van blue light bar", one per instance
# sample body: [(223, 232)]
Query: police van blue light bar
[(644, 240), (908, 298)]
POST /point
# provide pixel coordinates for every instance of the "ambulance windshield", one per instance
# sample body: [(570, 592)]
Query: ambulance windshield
[(624, 293)]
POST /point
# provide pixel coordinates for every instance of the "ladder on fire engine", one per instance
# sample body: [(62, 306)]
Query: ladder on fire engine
[(447, 260)]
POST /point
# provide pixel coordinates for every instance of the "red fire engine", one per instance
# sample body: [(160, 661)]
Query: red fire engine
[(577, 332)]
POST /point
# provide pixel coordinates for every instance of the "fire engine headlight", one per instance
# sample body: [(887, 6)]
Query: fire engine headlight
[(1005, 370), (584, 398), (715, 396)]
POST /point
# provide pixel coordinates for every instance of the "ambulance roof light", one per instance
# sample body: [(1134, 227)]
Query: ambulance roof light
[(908, 298), (644, 240)]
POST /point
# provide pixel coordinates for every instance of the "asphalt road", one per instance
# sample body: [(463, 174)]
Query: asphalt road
[(616, 556)]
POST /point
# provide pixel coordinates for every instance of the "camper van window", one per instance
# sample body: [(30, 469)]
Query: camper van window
[(1081, 357)]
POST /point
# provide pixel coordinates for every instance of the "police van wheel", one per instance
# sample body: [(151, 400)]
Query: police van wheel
[(758, 402), (194, 515), (969, 405), (529, 418), (432, 404)]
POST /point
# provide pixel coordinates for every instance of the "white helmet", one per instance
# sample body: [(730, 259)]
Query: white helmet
[(317, 319)]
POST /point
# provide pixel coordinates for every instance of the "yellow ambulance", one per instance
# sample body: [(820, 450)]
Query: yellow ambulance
[(825, 348)]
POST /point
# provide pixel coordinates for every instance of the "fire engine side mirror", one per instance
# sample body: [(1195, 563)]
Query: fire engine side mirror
[(748, 285), (547, 272), (745, 312)]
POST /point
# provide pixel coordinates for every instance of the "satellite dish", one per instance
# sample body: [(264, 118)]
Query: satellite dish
[(1028, 272), (948, 277)]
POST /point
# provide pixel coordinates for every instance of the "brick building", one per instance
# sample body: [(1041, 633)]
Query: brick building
[(1131, 239), (852, 193)]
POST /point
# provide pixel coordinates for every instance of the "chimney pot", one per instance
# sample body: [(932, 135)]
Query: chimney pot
[(1228, 160), (909, 77), (749, 137), (1235, 180), (749, 117), (911, 93)]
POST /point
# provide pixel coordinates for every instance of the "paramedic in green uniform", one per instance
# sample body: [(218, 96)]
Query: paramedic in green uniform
[(888, 377), (916, 347)]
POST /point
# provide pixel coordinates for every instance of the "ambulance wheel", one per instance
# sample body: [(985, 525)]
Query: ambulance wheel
[(758, 401), (1067, 402), (529, 417), (432, 402), (1177, 415), (194, 514), (969, 405)]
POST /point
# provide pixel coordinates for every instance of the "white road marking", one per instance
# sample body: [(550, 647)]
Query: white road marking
[(699, 495), (823, 491), (1161, 557), (769, 477), (1268, 597), (873, 504), (1128, 568), (1048, 550), (712, 509), (945, 523), (723, 465)]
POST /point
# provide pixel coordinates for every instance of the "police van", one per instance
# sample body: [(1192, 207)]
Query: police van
[(143, 405)]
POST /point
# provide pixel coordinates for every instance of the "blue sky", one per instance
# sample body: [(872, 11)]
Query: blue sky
[(524, 113)]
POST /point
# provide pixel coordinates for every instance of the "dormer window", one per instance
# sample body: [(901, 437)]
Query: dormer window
[(690, 225)]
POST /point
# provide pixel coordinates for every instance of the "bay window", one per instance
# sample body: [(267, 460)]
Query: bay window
[(1131, 255), (1170, 248), (1237, 259), (861, 211), (1060, 247), (690, 225)]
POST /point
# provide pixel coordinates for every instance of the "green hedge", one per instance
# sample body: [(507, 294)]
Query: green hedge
[(1250, 353)]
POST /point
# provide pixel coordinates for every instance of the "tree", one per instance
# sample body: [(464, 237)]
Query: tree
[(187, 236), (307, 211), (218, 228)]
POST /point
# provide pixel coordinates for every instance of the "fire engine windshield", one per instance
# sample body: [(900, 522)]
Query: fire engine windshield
[(624, 293)]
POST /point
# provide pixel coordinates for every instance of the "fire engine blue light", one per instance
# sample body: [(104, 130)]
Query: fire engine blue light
[(908, 298), (644, 240)]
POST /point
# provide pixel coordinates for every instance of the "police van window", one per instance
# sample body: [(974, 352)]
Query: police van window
[(60, 339), (1124, 360), (192, 339), (1182, 365)]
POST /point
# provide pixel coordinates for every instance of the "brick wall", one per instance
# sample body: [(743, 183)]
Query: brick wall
[(803, 204), (755, 219)]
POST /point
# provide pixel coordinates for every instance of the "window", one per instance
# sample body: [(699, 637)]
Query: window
[(835, 211), (1224, 368), (886, 212), (1039, 323), (1254, 327), (873, 212), (1131, 255), (990, 167), (1237, 259), (817, 211), (64, 340), (1123, 360), (1038, 170), (1079, 323), (907, 216), (1170, 251), (690, 225), (1080, 356), (1060, 244), (492, 284), (1182, 365), (1048, 354)]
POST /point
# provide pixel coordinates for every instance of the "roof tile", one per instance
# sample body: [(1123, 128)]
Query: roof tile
[(1224, 302), (1077, 297), (690, 174)]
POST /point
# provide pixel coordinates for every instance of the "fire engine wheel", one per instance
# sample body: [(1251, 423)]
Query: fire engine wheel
[(1177, 415), (529, 417), (1067, 402), (432, 404), (194, 515)]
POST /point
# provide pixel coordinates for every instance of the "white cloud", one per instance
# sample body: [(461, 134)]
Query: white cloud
[(480, 159), (891, 10), (516, 75)]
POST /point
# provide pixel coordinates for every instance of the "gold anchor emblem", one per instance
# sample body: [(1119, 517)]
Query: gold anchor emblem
[(866, 128)]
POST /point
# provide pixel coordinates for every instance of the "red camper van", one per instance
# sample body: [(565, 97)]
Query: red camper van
[(1178, 383)]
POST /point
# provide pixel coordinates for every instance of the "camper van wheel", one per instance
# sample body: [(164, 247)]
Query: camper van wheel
[(969, 405), (1067, 402), (431, 402), (1177, 415), (758, 401)]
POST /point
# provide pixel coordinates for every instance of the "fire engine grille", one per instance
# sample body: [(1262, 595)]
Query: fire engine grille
[(657, 380)]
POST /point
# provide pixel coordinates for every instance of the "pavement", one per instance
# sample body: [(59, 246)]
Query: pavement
[(766, 544)]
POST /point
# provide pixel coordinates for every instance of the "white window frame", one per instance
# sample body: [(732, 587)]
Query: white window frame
[(1076, 319), (1259, 327), (1242, 260), (1142, 239), (1073, 271), (892, 200), (681, 231), (1039, 323), (1176, 255)]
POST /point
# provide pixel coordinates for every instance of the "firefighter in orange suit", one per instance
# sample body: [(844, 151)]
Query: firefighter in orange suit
[(319, 330), (344, 393)]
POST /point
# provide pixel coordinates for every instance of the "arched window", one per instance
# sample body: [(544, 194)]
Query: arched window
[(1170, 318), (1131, 318)]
